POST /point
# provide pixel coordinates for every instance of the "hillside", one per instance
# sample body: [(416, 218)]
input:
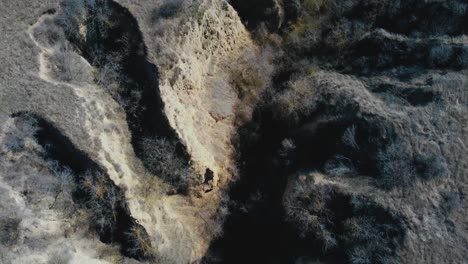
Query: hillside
[(214, 131)]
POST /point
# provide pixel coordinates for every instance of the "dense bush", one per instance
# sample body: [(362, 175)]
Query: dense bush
[(396, 165), (64, 184), (339, 165), (163, 160), (85, 20), (9, 230), (102, 199), (50, 34), (251, 74), (401, 165), (139, 243), (18, 132), (439, 55), (67, 66), (316, 25), (341, 222), (430, 165), (88, 25), (349, 137), (72, 16), (296, 101)]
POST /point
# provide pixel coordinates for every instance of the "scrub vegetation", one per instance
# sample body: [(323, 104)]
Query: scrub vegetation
[(263, 131)]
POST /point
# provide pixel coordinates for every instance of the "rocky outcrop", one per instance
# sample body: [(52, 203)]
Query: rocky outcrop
[(188, 104), (192, 49)]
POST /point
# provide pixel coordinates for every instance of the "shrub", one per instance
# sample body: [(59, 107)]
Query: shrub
[(430, 165), (13, 142), (451, 200), (440, 55), (108, 74), (286, 149), (359, 228), (80, 18), (71, 16), (139, 243), (339, 166), (359, 255), (91, 38), (306, 31), (349, 137), (27, 126), (9, 230), (161, 158), (22, 128), (396, 165), (60, 257), (250, 76), (65, 184), (66, 66), (102, 199), (297, 206), (49, 34), (368, 239), (296, 101), (338, 38), (399, 165)]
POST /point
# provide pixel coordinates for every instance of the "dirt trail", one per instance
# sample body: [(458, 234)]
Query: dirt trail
[(101, 115)]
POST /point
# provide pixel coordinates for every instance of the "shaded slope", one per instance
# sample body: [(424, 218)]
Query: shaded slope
[(95, 191)]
